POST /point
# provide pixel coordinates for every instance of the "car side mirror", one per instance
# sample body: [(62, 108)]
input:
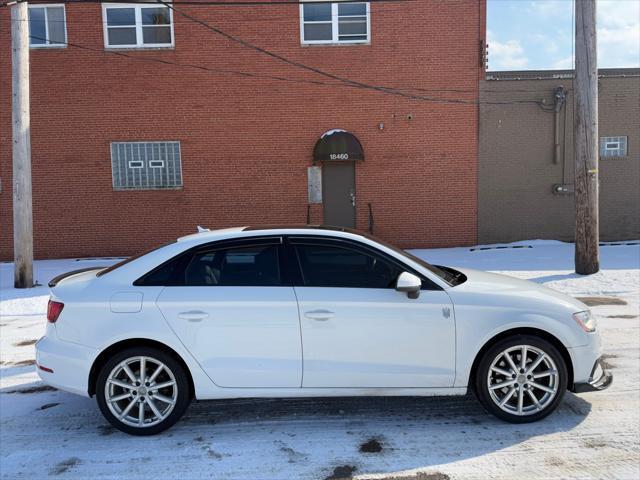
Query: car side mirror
[(409, 283)]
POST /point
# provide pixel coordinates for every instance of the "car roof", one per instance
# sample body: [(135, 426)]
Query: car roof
[(266, 229), (299, 227)]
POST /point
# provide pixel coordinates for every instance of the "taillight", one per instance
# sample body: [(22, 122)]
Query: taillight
[(53, 310)]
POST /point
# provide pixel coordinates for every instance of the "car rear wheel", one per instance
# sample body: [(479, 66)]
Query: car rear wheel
[(521, 379), (142, 391)]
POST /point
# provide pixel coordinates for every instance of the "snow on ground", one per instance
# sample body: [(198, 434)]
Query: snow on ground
[(45, 433)]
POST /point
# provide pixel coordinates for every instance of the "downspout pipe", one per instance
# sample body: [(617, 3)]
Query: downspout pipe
[(559, 98)]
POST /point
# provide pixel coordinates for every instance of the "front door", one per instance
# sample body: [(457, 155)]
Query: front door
[(339, 193), (359, 332), (232, 307)]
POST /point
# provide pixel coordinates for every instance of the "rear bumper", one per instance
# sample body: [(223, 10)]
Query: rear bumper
[(600, 379), (64, 365)]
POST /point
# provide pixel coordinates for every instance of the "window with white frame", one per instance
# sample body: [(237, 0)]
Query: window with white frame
[(134, 25), (336, 22), (613, 147), (47, 26), (146, 165)]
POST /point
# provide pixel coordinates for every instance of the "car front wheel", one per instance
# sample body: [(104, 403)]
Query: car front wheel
[(521, 379), (142, 391)]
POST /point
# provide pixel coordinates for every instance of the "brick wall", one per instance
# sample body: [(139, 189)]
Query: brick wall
[(516, 164), (246, 143)]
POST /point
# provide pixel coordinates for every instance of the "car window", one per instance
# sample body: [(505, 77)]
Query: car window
[(163, 275), (257, 266), (447, 277), (342, 266)]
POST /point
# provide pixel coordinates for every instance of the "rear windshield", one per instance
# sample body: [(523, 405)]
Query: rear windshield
[(130, 259)]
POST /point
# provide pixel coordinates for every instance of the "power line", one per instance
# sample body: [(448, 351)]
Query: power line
[(244, 74), (196, 66), (416, 89), (342, 81), (274, 55), (261, 50), (300, 65), (186, 65), (345, 80)]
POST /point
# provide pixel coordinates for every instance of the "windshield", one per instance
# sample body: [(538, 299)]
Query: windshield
[(446, 276)]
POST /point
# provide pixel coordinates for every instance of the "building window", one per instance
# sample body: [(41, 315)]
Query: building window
[(137, 26), (47, 26), (613, 147), (146, 165), (335, 22)]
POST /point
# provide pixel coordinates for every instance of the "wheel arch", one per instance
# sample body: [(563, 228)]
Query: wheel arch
[(104, 356), (522, 331)]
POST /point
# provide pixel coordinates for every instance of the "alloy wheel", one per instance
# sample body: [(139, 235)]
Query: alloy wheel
[(523, 380), (141, 391)]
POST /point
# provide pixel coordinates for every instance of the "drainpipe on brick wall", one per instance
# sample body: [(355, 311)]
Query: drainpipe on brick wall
[(559, 97)]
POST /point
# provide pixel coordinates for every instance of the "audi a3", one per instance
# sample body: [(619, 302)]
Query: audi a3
[(308, 312)]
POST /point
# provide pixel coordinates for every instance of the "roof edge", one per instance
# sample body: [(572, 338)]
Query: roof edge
[(557, 74)]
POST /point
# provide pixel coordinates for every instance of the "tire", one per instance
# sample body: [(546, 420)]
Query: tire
[(532, 394), (134, 408)]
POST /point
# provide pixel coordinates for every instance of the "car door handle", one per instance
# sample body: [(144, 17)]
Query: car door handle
[(319, 315), (193, 315)]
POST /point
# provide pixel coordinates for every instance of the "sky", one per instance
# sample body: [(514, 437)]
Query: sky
[(538, 34)]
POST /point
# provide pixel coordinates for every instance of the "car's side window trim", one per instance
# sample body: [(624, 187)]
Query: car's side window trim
[(185, 257), (298, 278)]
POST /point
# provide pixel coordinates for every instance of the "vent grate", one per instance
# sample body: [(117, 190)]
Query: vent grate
[(146, 165)]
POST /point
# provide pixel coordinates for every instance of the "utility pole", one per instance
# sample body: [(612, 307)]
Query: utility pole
[(22, 209), (587, 259)]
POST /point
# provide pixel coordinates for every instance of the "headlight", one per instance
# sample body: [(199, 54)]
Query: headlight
[(585, 320)]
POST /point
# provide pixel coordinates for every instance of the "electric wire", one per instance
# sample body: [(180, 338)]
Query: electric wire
[(338, 80), (300, 65), (245, 74)]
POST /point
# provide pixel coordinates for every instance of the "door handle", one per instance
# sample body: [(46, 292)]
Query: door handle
[(319, 315), (193, 315)]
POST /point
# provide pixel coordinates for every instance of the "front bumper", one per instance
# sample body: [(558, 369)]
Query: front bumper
[(600, 379)]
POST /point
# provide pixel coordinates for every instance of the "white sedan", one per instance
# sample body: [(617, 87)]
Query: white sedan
[(308, 312)]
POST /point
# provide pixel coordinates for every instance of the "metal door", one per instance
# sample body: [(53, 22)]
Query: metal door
[(339, 194)]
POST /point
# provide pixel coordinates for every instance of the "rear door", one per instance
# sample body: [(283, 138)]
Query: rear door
[(339, 193), (358, 331), (234, 308)]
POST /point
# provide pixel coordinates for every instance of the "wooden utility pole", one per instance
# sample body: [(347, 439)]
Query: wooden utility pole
[(586, 139), (22, 211)]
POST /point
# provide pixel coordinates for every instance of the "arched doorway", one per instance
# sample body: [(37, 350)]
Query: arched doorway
[(338, 151)]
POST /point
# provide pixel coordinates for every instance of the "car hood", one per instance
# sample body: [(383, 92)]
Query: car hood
[(489, 285)]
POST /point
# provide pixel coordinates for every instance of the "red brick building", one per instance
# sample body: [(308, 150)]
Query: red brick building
[(148, 123)]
